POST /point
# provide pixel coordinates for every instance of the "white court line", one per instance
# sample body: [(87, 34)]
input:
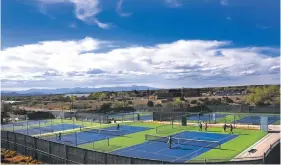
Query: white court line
[(141, 145), (156, 153), (200, 149)]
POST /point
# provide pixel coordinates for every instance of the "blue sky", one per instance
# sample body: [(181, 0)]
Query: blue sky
[(159, 43)]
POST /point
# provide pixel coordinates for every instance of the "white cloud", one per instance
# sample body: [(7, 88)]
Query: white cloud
[(224, 2), (73, 25), (173, 3), (85, 10), (190, 63), (119, 9), (102, 25)]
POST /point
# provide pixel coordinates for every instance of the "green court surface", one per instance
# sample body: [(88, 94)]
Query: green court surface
[(228, 150)]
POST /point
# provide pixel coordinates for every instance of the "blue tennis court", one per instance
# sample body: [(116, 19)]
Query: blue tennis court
[(256, 120), (42, 130), (91, 135), (179, 153), (146, 117)]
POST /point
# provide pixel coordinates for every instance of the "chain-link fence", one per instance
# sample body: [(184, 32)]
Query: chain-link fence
[(217, 117), (241, 108), (56, 153)]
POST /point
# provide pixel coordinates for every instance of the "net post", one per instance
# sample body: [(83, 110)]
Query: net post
[(13, 127), (107, 141), (93, 144)]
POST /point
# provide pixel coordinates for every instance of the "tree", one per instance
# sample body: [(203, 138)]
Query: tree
[(193, 101), (150, 104), (177, 101), (260, 95), (72, 99), (103, 96), (105, 106), (228, 100), (5, 109)]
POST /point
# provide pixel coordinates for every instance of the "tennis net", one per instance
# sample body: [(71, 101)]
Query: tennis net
[(183, 141), (43, 129), (102, 131), (19, 124)]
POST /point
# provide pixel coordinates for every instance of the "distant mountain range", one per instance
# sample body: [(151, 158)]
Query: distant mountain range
[(33, 92)]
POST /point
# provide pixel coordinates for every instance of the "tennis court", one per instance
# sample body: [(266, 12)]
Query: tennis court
[(256, 119), (88, 135), (182, 149), (46, 129)]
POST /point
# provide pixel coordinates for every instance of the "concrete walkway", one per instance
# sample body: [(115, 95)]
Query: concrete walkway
[(261, 147)]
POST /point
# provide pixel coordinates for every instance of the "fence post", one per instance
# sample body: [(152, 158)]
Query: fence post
[(49, 150), (24, 144), (264, 157), (15, 142), (105, 158), (35, 146), (8, 145), (85, 156), (66, 154)]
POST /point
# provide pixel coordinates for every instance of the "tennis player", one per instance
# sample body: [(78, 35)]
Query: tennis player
[(59, 136), (118, 127), (231, 129), (170, 142), (138, 117), (224, 127), (200, 126), (206, 126)]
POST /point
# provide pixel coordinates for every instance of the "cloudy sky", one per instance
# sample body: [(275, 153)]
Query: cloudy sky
[(158, 43)]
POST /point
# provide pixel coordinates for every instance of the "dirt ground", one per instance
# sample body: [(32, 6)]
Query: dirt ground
[(94, 104)]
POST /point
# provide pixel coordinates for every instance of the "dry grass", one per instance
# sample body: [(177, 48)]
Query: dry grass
[(11, 157), (94, 104)]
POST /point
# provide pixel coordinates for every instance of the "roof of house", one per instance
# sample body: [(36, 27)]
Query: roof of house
[(78, 95)]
